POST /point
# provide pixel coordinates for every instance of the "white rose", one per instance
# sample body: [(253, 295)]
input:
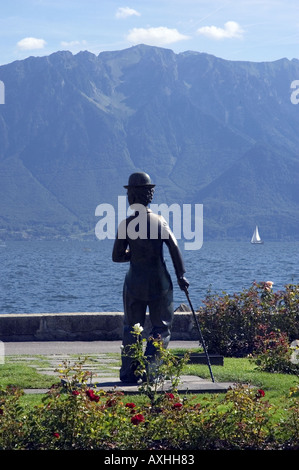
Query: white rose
[(138, 329)]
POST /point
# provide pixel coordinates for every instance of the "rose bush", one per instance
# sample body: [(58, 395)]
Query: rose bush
[(76, 416), (273, 353), (231, 323)]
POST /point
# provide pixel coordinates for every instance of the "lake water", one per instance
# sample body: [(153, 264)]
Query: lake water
[(53, 277)]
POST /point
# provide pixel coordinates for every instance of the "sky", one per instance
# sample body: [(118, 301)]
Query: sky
[(250, 30)]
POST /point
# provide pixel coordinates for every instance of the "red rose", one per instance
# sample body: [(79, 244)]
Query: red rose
[(177, 406), (56, 434), (170, 396), (260, 393), (137, 419), (75, 393), (90, 393), (92, 396), (130, 405)]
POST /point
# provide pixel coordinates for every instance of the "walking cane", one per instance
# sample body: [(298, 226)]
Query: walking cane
[(200, 334)]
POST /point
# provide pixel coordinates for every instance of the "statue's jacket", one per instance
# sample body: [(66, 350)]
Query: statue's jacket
[(139, 240)]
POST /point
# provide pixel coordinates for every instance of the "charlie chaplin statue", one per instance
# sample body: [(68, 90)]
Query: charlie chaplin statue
[(139, 241)]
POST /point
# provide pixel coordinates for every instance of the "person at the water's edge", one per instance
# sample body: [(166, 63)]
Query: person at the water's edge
[(140, 240)]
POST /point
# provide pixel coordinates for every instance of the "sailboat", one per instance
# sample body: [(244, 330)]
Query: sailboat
[(256, 239)]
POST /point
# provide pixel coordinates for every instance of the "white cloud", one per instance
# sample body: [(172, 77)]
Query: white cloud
[(31, 43), (73, 43), (124, 12), (231, 30), (155, 36)]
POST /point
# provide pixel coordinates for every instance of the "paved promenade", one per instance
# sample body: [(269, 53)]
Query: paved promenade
[(76, 347)]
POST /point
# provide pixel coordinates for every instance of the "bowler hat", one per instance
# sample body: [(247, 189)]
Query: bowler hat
[(139, 179)]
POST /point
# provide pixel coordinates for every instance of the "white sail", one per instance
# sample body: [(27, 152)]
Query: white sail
[(256, 236)]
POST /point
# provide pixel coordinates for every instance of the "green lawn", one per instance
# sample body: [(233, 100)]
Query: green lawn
[(24, 376), (242, 370)]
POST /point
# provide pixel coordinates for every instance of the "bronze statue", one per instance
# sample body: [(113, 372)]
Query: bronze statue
[(139, 241)]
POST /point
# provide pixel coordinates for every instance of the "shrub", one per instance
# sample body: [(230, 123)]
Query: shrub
[(11, 418), (273, 353), (76, 416), (287, 431), (231, 323), (241, 420), (154, 370)]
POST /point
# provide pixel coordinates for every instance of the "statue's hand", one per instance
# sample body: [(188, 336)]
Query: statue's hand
[(183, 283)]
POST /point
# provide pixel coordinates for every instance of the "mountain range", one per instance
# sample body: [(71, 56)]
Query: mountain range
[(209, 131)]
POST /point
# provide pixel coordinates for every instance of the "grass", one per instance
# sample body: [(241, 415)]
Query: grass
[(24, 376), (242, 370)]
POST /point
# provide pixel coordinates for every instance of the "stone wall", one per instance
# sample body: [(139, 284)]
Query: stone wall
[(100, 326)]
